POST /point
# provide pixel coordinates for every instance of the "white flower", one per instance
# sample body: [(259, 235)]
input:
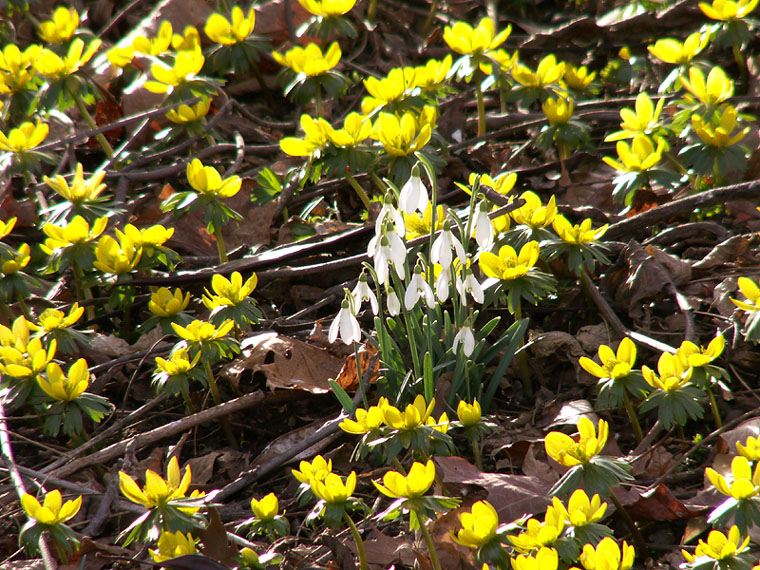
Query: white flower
[(483, 228), (394, 305), (466, 338), (363, 292), (345, 323), (441, 251), (413, 196), (387, 249), (469, 285), (443, 284), (390, 213), (418, 287)]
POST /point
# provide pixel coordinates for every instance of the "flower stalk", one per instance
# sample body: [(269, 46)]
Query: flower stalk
[(363, 565), (102, 141)]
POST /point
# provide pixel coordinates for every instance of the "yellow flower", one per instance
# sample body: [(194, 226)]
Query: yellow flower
[(53, 510), (317, 135), (568, 452), (80, 191), (750, 449), (395, 86), (319, 468), (421, 224), (547, 72), (266, 508), (502, 183), (327, 8), (172, 545), (401, 136), (719, 546), (696, 356), (186, 66), (558, 111), (614, 365), (190, 40), (727, 10), (752, 292), (578, 78), (478, 526), (466, 40), (366, 420), (433, 73), (413, 416), (332, 490), (356, 128), (537, 534), (63, 25), (713, 91), (120, 56), (577, 234), (413, 486), (189, 113), (116, 257), (719, 136), (545, 559), (679, 53), (157, 45), (533, 214), (50, 65), (157, 491), (639, 156), (147, 238), (65, 387), (641, 121), (21, 357), (580, 510), (17, 261), (309, 60), (229, 292), (508, 264), (76, 232), (608, 555), (178, 364), (7, 227), (201, 331), (673, 373), (52, 319), (24, 138), (220, 30), (164, 303), (469, 414), (208, 181), (744, 483), (17, 67)]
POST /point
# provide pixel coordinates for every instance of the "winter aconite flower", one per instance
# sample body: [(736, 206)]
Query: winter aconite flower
[(172, 545), (50, 517), (65, 387), (466, 40), (310, 60), (401, 136), (607, 555), (568, 452), (223, 31), (53, 66), (478, 526), (725, 10), (63, 25), (208, 181), (676, 52), (164, 303), (711, 91), (742, 489), (544, 559), (721, 548), (186, 67), (24, 138), (509, 264)]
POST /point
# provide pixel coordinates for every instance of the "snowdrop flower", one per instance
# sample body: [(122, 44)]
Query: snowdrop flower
[(443, 284), (442, 246), (394, 305), (413, 196), (362, 292), (469, 285), (387, 248), (482, 227), (345, 323), (466, 339), (389, 212), (418, 287)]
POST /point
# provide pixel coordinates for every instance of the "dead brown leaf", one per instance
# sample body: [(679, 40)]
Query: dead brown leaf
[(347, 378), (659, 504), (726, 252)]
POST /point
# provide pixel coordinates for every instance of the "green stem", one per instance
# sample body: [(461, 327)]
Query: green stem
[(477, 453), (371, 10), (430, 17), (221, 249), (186, 397), (681, 433), (379, 183), (82, 291), (359, 376), (358, 189), (363, 565), (522, 358), (318, 101), (104, 144), (24, 308), (633, 417), (398, 466), (713, 405), (481, 107), (739, 57), (430, 546), (641, 546), (212, 385)]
